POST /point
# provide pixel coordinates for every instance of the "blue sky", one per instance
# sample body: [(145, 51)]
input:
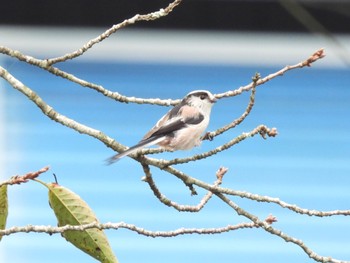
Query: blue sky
[(306, 164)]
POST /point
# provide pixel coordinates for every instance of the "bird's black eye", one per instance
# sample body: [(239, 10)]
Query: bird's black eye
[(202, 97)]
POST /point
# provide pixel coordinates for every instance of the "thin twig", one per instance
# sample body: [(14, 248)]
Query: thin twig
[(319, 54), (182, 208), (236, 122), (18, 179), (146, 17), (261, 129), (46, 64)]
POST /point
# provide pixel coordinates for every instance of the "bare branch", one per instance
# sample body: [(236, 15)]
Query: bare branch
[(319, 54), (261, 129), (55, 116), (46, 64), (70, 77), (211, 135), (18, 179), (151, 16), (277, 201), (267, 227), (182, 208), (243, 194), (156, 101), (181, 231)]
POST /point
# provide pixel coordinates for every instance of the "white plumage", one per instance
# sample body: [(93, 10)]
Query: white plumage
[(181, 128)]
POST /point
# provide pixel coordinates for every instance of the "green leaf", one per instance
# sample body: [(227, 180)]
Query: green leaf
[(3, 207), (70, 209)]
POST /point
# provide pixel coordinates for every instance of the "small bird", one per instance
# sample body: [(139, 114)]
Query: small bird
[(181, 128)]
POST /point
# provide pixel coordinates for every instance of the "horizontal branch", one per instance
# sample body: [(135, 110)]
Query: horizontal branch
[(181, 231)]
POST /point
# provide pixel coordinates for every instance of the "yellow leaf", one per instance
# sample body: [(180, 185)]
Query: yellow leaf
[(3, 207), (70, 209)]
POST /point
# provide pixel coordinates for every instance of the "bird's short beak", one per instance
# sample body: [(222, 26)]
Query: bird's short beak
[(213, 100)]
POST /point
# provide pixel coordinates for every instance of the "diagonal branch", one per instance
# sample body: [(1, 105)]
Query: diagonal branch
[(267, 227), (70, 77), (243, 194), (121, 98), (267, 199), (147, 17), (319, 54), (55, 116), (261, 129)]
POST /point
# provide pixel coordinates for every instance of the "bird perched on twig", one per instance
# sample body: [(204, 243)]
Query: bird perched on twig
[(181, 128)]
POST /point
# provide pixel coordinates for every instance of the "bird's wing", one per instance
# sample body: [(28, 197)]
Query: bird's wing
[(169, 116), (166, 126)]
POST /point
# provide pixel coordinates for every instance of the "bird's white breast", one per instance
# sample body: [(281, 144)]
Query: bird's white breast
[(189, 137)]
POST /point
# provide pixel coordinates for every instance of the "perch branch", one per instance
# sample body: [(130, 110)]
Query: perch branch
[(211, 135), (261, 129)]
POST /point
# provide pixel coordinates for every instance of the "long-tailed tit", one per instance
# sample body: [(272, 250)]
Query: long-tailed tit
[(181, 128)]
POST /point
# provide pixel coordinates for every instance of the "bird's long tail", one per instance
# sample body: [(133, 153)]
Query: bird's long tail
[(140, 145)]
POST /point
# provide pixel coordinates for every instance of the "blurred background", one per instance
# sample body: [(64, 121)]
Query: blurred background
[(214, 45)]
